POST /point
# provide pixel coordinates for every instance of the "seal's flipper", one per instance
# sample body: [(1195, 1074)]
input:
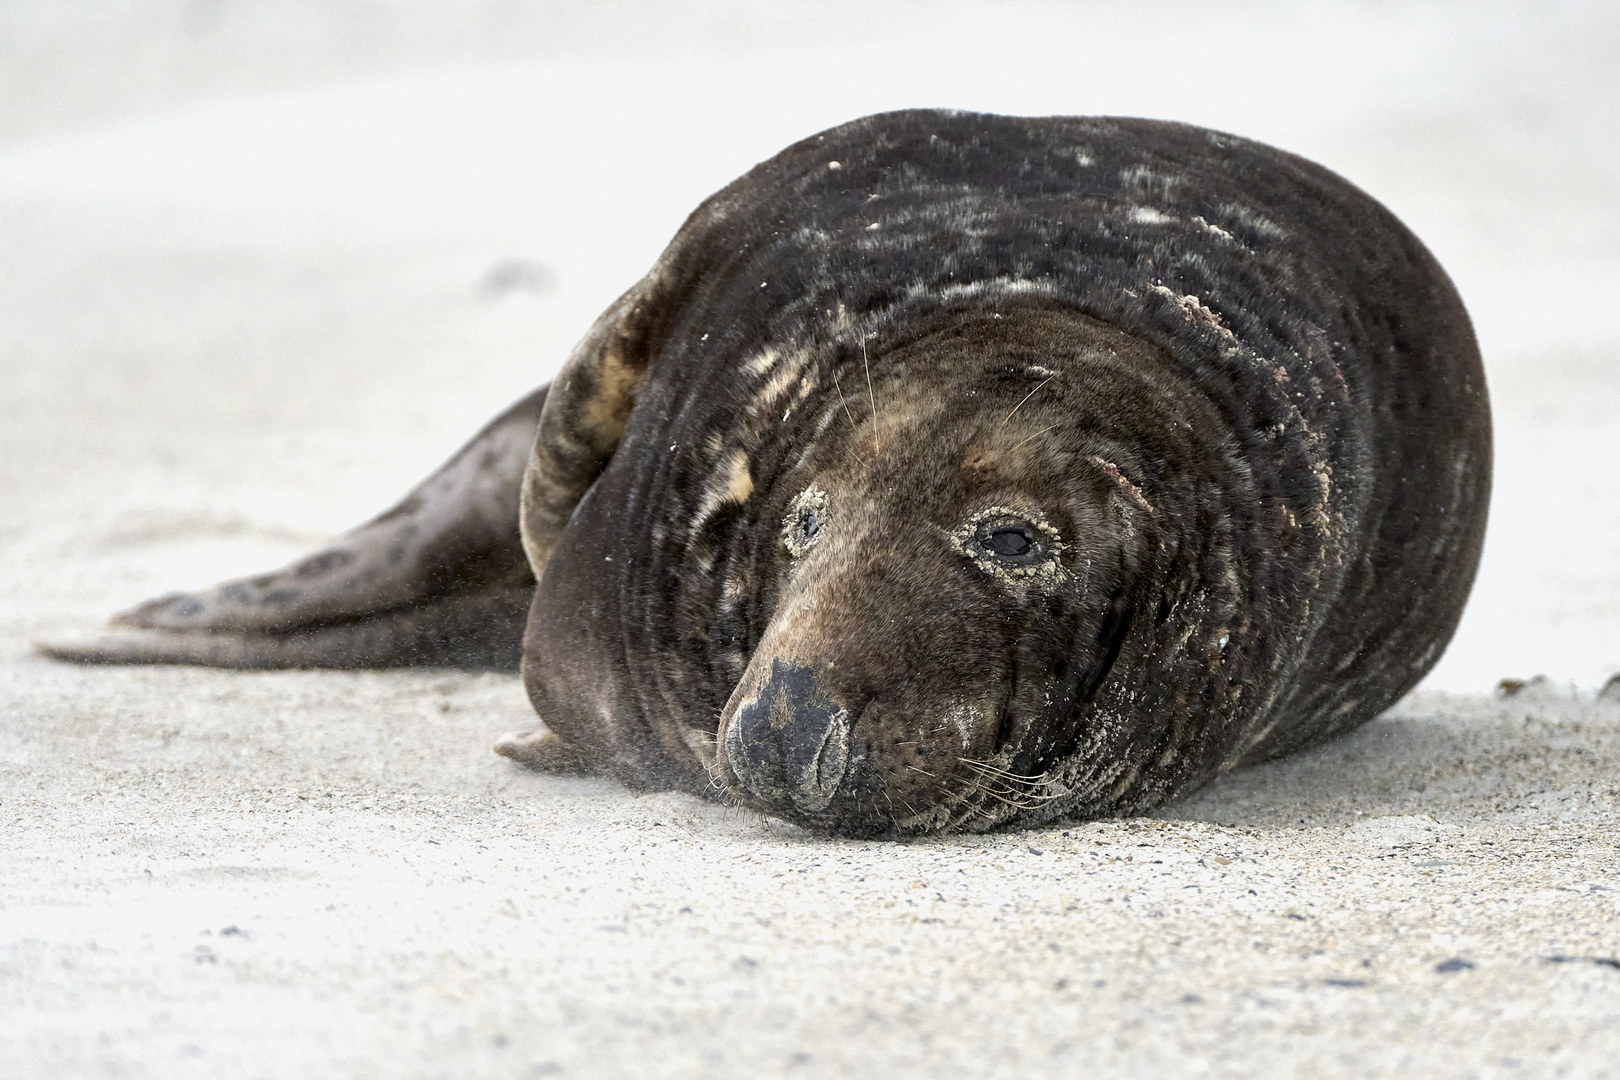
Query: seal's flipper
[(544, 751), (481, 632), (439, 579)]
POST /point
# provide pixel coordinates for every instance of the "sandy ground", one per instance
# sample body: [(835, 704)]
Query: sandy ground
[(251, 287)]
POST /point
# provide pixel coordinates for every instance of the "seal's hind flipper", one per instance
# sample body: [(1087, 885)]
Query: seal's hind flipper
[(482, 632), (440, 579)]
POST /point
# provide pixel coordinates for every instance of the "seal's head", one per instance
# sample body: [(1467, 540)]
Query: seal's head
[(950, 583)]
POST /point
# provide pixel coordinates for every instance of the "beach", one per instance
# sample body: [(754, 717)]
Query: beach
[(263, 268)]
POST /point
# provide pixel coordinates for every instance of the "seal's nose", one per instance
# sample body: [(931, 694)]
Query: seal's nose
[(789, 743)]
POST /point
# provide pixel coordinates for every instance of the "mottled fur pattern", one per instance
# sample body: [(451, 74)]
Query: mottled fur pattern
[(1235, 405)]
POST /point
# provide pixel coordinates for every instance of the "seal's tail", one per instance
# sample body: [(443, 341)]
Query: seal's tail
[(440, 579)]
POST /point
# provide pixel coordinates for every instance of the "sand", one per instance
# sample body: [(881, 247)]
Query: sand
[(261, 268)]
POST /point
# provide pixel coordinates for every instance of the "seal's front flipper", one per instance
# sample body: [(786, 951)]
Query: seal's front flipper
[(544, 751), (440, 579), (590, 402)]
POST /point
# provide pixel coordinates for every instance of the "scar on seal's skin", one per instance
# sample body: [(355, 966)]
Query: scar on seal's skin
[(1193, 307), (1131, 490)]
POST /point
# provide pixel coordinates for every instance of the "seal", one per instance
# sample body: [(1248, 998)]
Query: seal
[(947, 471)]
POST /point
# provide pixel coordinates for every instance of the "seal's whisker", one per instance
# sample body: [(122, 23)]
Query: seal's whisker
[(853, 425), (1022, 794), (1024, 788), (950, 820), (1037, 435), (877, 447), (985, 812), (985, 766), (1020, 405), (712, 770), (1020, 799), (1030, 791), (903, 802), (970, 808), (884, 791), (995, 783), (974, 784), (1042, 779)]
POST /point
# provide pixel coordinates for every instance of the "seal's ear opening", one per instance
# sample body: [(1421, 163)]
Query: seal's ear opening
[(805, 519)]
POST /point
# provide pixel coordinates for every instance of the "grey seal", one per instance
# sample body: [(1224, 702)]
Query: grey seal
[(947, 471)]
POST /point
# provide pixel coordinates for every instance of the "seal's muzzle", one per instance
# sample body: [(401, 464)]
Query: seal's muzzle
[(789, 743)]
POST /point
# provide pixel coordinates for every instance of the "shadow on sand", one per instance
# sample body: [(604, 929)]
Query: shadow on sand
[(1436, 755)]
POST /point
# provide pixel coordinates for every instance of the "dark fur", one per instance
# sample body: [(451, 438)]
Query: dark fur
[(1247, 399)]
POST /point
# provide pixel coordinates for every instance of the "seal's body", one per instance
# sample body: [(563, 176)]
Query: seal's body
[(947, 470)]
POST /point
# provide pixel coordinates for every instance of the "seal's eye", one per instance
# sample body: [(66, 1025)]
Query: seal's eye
[(1009, 541), (1012, 544), (804, 521)]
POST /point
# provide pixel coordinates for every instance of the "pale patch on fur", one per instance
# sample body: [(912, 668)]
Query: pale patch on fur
[(1127, 777), (732, 483), (784, 371), (1258, 222), (606, 411), (762, 363), (963, 717), (1253, 739), (1008, 286), (1144, 179), (840, 320), (741, 485), (733, 591), (828, 417)]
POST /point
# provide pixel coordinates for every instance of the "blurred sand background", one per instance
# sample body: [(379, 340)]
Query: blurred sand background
[(263, 265)]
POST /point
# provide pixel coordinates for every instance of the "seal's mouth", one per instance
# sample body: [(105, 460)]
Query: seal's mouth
[(858, 769)]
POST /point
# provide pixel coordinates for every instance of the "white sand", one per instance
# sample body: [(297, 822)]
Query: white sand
[(241, 257)]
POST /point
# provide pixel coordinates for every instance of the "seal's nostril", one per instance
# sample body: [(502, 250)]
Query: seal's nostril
[(833, 756), (789, 743)]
